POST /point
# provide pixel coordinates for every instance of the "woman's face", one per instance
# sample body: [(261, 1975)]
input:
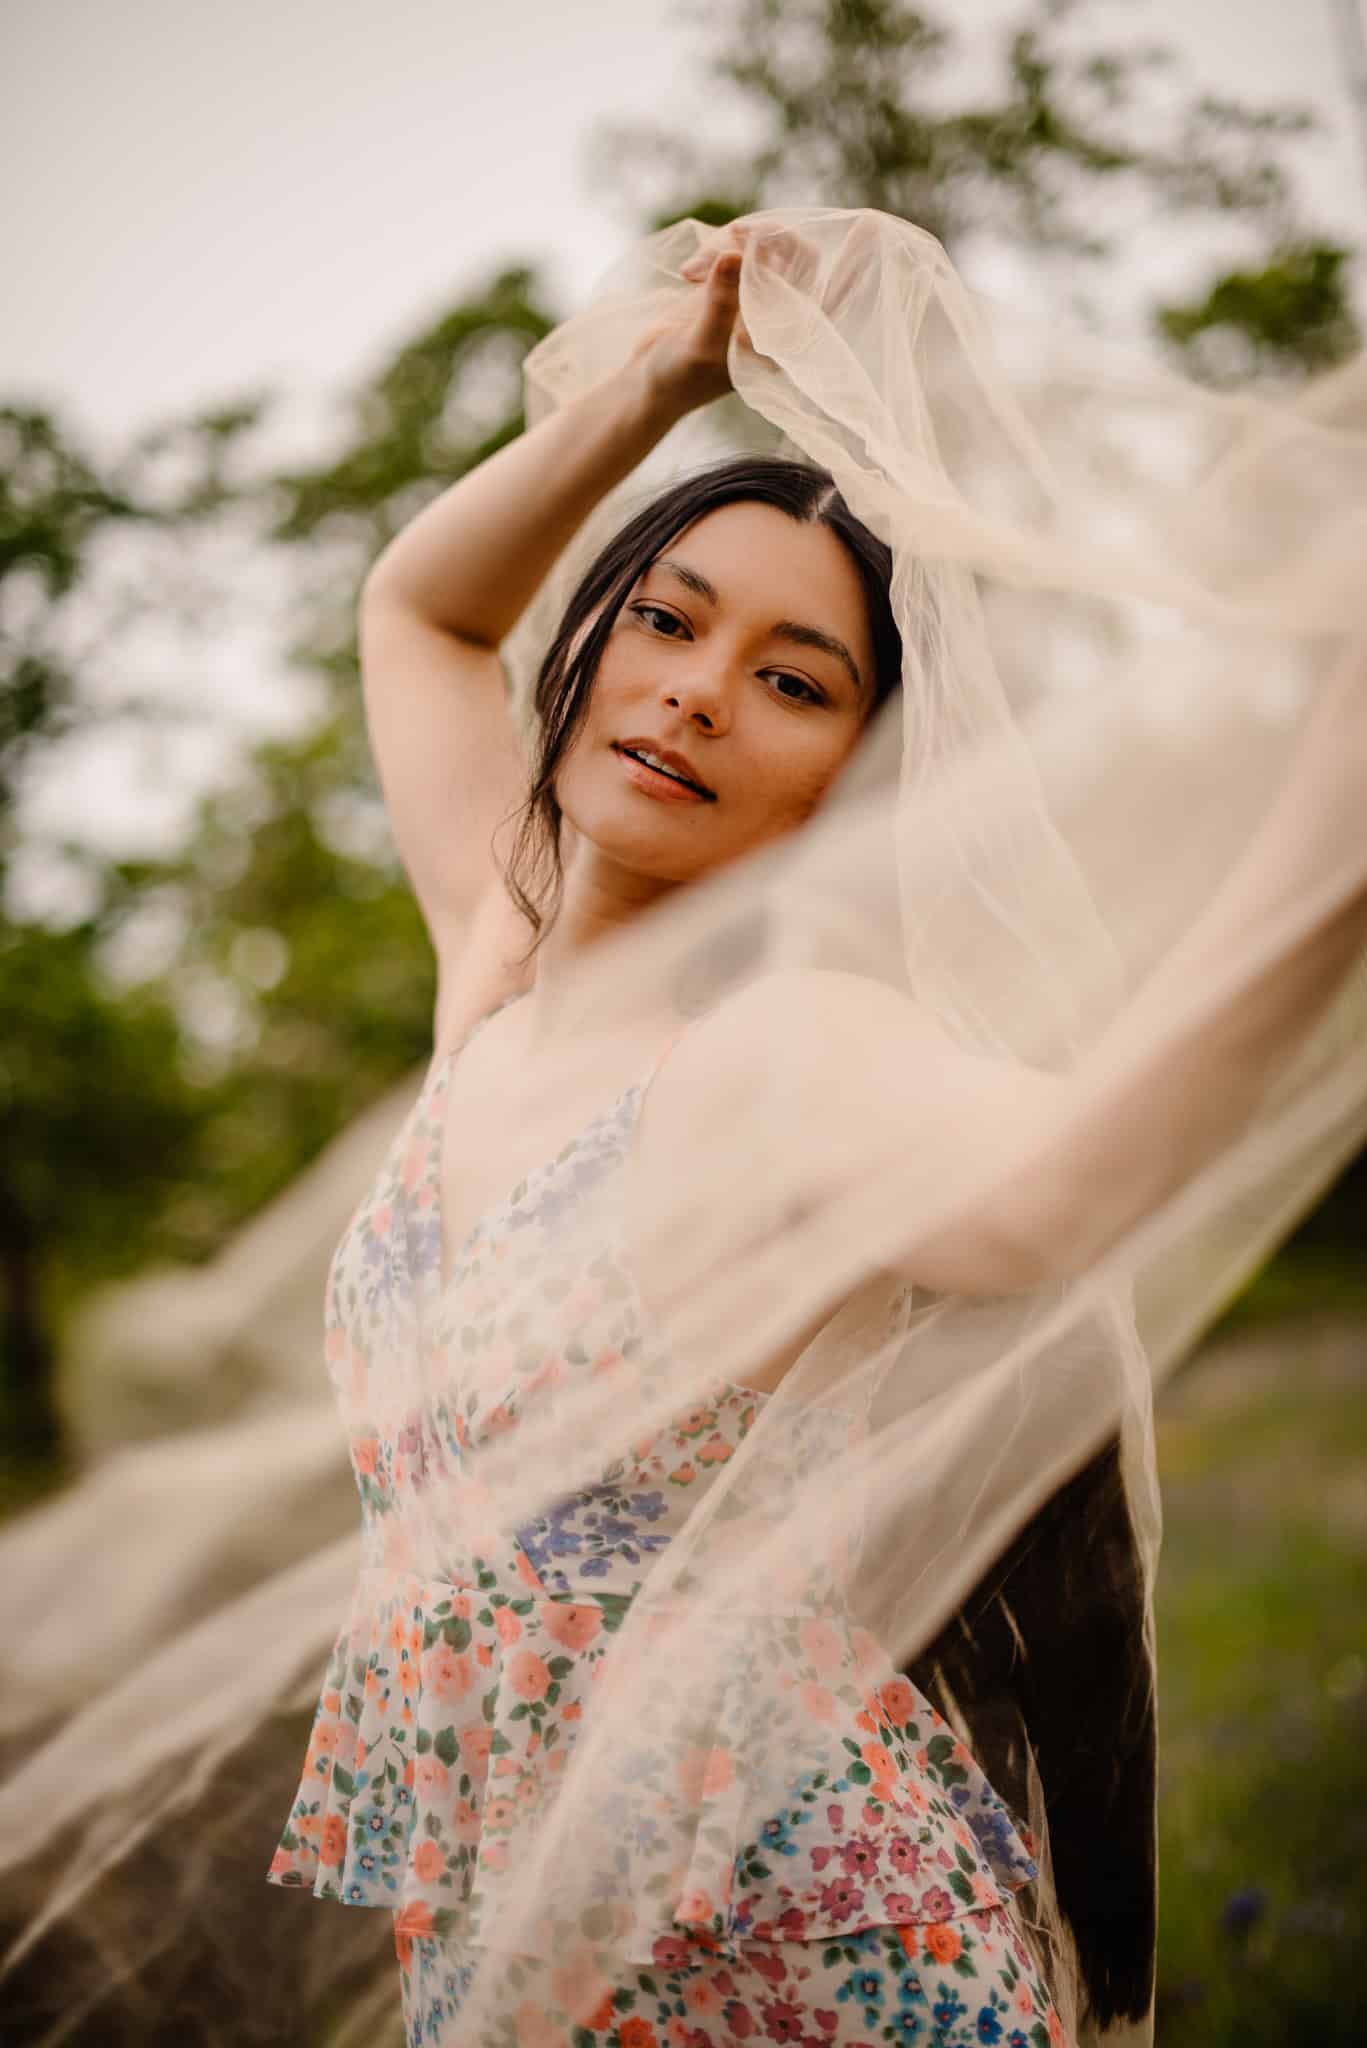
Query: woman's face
[(744, 650)]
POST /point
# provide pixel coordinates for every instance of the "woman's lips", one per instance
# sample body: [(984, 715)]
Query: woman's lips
[(657, 785)]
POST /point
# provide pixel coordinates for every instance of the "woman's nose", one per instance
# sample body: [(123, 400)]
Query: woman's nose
[(703, 696)]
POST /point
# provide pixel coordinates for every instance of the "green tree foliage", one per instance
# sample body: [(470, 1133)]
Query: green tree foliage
[(144, 1117), (1291, 315), (855, 103), (101, 1129)]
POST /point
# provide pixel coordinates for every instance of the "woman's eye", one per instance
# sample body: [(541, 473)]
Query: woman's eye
[(652, 612), (813, 695)]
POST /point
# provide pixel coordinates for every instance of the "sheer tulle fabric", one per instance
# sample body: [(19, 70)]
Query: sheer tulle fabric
[(924, 1561)]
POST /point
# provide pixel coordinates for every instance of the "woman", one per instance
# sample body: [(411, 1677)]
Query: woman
[(727, 693), (710, 687)]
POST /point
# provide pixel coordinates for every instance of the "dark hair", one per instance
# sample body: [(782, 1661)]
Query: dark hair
[(808, 494)]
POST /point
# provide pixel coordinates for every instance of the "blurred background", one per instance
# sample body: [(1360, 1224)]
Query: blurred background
[(271, 275)]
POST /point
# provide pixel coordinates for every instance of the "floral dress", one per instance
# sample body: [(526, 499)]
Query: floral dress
[(848, 1877)]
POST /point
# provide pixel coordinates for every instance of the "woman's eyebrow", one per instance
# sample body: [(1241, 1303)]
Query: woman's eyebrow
[(786, 629)]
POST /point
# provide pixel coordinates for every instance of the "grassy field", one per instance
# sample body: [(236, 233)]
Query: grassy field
[(1262, 1643)]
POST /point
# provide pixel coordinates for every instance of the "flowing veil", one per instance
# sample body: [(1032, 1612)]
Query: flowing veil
[(1098, 862)]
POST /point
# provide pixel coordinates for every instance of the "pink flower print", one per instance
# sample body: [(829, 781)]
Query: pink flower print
[(527, 1572), (772, 1968), (429, 1862), (936, 1904), (900, 1904), (446, 1673), (507, 1624), (880, 1762), (431, 1777), (898, 1700), (466, 1821), (281, 1862), (860, 1858), (820, 1645), (984, 1891), (574, 1627), (818, 1702), (904, 1856), (835, 1816), (704, 1773), (693, 1909), (528, 1675), (870, 1656), (323, 1741), (671, 1953), (702, 1995), (782, 2020), (841, 1899), (696, 1421), (715, 1451), (739, 2019), (1023, 2002)]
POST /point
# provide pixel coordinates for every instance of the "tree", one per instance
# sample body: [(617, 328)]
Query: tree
[(854, 103), (147, 1110)]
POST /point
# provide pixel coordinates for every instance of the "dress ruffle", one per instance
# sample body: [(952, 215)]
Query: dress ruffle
[(819, 1792)]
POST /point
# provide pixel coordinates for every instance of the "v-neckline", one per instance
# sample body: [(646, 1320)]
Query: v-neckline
[(437, 1112)]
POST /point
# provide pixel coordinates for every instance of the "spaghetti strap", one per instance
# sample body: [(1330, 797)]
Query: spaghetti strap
[(647, 1079)]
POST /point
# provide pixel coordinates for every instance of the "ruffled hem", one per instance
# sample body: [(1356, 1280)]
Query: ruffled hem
[(823, 1792)]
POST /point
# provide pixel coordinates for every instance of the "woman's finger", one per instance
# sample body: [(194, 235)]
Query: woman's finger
[(719, 310)]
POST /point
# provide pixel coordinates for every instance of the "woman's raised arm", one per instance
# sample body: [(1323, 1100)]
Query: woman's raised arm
[(446, 591)]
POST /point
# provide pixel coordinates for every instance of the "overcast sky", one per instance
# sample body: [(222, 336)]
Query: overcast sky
[(205, 199), (201, 196)]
